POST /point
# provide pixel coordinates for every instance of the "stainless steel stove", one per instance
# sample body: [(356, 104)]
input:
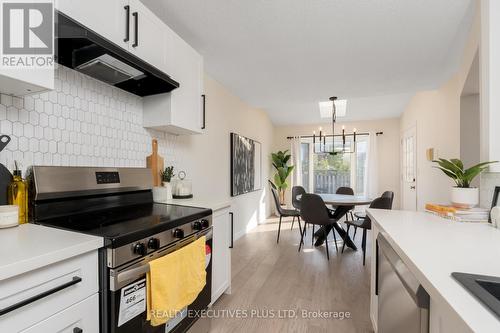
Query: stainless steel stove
[(117, 204)]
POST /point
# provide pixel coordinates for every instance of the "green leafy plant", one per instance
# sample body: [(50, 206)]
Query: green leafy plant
[(454, 168), (283, 171), (167, 174)]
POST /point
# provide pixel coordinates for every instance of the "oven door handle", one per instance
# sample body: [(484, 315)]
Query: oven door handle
[(136, 272), (132, 273)]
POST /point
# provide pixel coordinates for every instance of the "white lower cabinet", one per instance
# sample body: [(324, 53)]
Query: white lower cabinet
[(221, 260), (36, 296), (82, 317)]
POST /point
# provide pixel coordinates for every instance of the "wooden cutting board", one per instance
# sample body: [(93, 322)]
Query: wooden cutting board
[(155, 162)]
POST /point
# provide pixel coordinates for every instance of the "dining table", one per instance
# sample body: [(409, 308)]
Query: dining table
[(342, 204)]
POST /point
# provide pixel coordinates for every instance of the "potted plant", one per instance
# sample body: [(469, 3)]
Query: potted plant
[(283, 171), (166, 177), (462, 195)]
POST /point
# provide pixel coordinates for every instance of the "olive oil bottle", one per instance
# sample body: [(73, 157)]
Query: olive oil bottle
[(18, 194)]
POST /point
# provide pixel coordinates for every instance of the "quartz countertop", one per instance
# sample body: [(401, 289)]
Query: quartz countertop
[(433, 248), (29, 247)]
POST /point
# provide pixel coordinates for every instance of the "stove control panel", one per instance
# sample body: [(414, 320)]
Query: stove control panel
[(150, 244)]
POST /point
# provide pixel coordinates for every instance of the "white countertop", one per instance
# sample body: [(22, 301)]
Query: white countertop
[(29, 246), (434, 247), (213, 204)]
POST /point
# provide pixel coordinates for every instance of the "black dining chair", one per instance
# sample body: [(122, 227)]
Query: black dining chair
[(362, 215), (283, 212), (346, 191), (296, 191), (314, 211), (366, 223)]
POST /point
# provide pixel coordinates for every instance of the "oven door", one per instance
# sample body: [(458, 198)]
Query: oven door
[(132, 277)]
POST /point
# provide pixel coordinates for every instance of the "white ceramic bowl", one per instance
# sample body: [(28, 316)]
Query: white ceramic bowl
[(9, 216)]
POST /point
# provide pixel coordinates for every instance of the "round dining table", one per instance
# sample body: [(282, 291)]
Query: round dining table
[(343, 203), (344, 199)]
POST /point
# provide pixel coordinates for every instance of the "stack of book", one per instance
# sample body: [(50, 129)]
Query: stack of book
[(459, 214)]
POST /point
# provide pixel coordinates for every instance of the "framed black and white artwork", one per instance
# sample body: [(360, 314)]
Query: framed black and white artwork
[(246, 165)]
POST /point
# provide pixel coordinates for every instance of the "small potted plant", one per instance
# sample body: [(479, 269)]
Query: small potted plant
[(462, 195), (283, 170), (166, 177)]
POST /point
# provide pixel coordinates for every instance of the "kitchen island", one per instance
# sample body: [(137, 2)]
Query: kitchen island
[(432, 248)]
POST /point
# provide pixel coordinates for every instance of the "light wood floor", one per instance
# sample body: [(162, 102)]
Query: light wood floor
[(273, 277)]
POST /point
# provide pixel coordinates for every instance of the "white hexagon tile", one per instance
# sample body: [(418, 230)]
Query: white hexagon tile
[(83, 122)]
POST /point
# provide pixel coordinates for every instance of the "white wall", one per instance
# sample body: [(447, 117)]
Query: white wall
[(436, 114), (207, 156), (388, 147)]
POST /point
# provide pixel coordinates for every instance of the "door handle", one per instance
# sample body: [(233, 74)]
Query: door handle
[(203, 97), (136, 29), (412, 187), (77, 330), (127, 23), (232, 227)]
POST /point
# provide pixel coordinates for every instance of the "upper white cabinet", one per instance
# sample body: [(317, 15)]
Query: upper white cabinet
[(25, 81), (490, 82), (110, 19), (127, 23), (132, 26), (181, 111), (147, 33)]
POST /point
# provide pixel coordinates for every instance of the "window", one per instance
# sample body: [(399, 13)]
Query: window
[(325, 173)]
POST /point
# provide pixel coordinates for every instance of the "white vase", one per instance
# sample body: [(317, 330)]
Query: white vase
[(464, 197), (168, 187)]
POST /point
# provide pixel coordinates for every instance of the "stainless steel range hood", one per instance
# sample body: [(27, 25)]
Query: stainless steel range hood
[(87, 52)]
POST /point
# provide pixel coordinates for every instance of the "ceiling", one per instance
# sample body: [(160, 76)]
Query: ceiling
[(285, 56)]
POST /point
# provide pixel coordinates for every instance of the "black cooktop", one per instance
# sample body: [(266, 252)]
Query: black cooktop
[(123, 225)]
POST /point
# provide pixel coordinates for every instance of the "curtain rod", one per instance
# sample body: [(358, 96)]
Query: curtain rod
[(329, 135)]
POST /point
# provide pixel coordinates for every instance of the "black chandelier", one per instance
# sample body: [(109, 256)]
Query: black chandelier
[(322, 138)]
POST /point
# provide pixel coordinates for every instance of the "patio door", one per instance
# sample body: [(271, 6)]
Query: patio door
[(409, 169)]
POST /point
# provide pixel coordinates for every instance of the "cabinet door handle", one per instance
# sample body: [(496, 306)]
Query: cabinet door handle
[(74, 280), (77, 330), (127, 23), (203, 98), (136, 29), (232, 228)]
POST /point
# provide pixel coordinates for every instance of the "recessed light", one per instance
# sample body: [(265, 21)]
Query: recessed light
[(325, 108)]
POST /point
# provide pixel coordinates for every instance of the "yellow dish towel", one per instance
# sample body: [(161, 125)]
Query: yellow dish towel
[(174, 281)]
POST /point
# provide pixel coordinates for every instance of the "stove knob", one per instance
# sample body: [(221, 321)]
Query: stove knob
[(178, 233), (197, 226), (140, 249), (205, 224), (154, 243)]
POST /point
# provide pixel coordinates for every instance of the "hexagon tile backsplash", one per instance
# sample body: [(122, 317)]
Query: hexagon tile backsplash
[(83, 122)]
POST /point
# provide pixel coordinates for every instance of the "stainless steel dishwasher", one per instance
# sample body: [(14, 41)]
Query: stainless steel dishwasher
[(403, 304)]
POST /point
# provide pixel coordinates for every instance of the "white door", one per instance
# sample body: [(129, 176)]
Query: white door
[(409, 169), (147, 35), (107, 18)]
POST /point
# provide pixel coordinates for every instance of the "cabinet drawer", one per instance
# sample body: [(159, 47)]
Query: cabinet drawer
[(83, 316), (58, 284)]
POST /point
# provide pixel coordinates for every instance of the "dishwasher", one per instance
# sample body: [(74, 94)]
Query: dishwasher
[(403, 303)]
